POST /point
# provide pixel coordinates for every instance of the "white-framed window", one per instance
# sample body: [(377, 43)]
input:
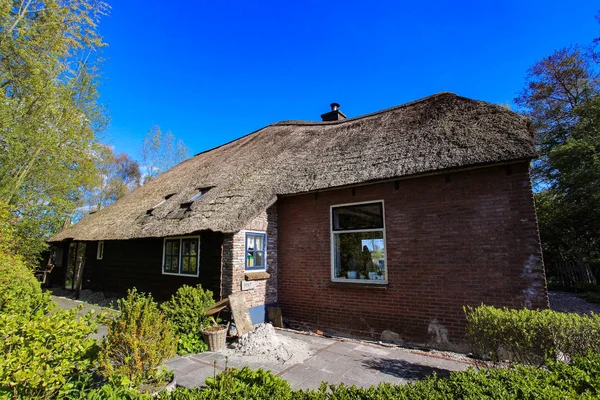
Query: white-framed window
[(181, 256), (256, 251), (358, 243), (100, 250)]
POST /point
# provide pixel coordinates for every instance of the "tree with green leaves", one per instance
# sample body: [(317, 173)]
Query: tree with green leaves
[(562, 98), (161, 152), (117, 175), (49, 113)]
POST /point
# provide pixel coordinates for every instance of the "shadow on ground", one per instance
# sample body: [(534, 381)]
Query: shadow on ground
[(403, 369)]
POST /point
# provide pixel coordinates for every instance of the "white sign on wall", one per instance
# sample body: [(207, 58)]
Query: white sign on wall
[(249, 285)]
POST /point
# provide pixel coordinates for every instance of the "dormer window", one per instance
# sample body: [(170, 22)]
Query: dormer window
[(201, 192), (151, 210)]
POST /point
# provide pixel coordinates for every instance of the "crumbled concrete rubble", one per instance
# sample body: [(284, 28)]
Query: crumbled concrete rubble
[(265, 345)]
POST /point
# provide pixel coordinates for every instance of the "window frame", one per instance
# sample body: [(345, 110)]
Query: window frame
[(100, 250), (264, 250), (179, 259), (332, 244)]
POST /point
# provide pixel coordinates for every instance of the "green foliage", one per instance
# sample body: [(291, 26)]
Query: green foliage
[(49, 113), (185, 310), (190, 343), (44, 350), (561, 97), (530, 336), (20, 292), (558, 381), (117, 175), (138, 340)]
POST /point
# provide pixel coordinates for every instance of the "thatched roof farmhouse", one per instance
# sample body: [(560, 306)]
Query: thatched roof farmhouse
[(435, 190)]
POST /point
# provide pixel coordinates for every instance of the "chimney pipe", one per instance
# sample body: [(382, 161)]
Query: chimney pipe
[(334, 115)]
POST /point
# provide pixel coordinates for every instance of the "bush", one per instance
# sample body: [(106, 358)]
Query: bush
[(43, 353), (559, 380), (530, 336), (191, 343), (138, 341), (185, 310), (20, 292)]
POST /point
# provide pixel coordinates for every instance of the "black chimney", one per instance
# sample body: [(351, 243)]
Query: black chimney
[(334, 115)]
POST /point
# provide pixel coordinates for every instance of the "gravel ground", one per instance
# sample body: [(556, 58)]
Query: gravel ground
[(569, 302)]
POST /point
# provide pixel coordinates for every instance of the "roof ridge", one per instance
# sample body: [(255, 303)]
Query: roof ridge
[(312, 123), (403, 105)]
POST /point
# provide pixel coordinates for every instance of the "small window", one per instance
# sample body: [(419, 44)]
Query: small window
[(100, 250), (181, 256), (358, 243), (256, 244), (201, 192)]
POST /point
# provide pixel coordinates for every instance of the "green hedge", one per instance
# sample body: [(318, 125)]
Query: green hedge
[(558, 381), (529, 336), (44, 351)]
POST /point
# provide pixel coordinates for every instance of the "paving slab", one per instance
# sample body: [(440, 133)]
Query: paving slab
[(334, 361)]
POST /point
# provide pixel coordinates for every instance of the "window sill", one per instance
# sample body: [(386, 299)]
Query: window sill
[(382, 285), (257, 276)]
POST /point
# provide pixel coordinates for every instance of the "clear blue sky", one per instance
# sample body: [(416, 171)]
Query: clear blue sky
[(213, 71)]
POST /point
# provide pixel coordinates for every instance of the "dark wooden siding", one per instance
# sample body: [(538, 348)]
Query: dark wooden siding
[(138, 263)]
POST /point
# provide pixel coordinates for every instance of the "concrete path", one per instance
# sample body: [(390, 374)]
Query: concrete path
[(333, 361), (67, 304)]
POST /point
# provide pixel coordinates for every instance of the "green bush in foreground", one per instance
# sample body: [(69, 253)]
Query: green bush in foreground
[(529, 336), (185, 310), (138, 341), (44, 354), (43, 350), (581, 379)]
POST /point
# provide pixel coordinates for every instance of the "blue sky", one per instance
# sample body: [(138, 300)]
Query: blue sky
[(213, 71)]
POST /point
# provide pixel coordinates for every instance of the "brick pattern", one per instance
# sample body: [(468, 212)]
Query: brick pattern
[(452, 240), (234, 253)]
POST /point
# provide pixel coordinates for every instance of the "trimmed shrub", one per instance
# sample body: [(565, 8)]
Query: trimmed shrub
[(557, 381), (138, 341), (185, 310), (530, 336)]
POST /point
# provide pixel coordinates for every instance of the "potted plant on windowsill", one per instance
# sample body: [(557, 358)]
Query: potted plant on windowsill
[(215, 335)]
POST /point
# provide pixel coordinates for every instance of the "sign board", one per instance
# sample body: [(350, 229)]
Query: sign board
[(241, 315), (249, 285)]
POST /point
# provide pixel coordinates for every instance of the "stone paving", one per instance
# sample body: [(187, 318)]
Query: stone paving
[(334, 361)]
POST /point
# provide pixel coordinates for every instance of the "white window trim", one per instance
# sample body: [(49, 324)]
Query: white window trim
[(100, 250), (179, 262), (332, 241), (266, 250)]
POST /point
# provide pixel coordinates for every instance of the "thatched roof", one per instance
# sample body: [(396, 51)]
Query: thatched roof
[(440, 132)]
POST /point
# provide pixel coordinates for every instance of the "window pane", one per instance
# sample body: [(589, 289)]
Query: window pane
[(189, 265), (250, 259), (359, 255), (186, 247), (250, 242), (361, 216), (259, 259), (172, 247), (171, 264), (259, 240)]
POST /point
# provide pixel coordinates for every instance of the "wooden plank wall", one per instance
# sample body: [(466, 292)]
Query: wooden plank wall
[(138, 263)]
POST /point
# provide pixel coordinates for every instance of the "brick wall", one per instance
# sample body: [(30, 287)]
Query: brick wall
[(234, 253), (452, 240)]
